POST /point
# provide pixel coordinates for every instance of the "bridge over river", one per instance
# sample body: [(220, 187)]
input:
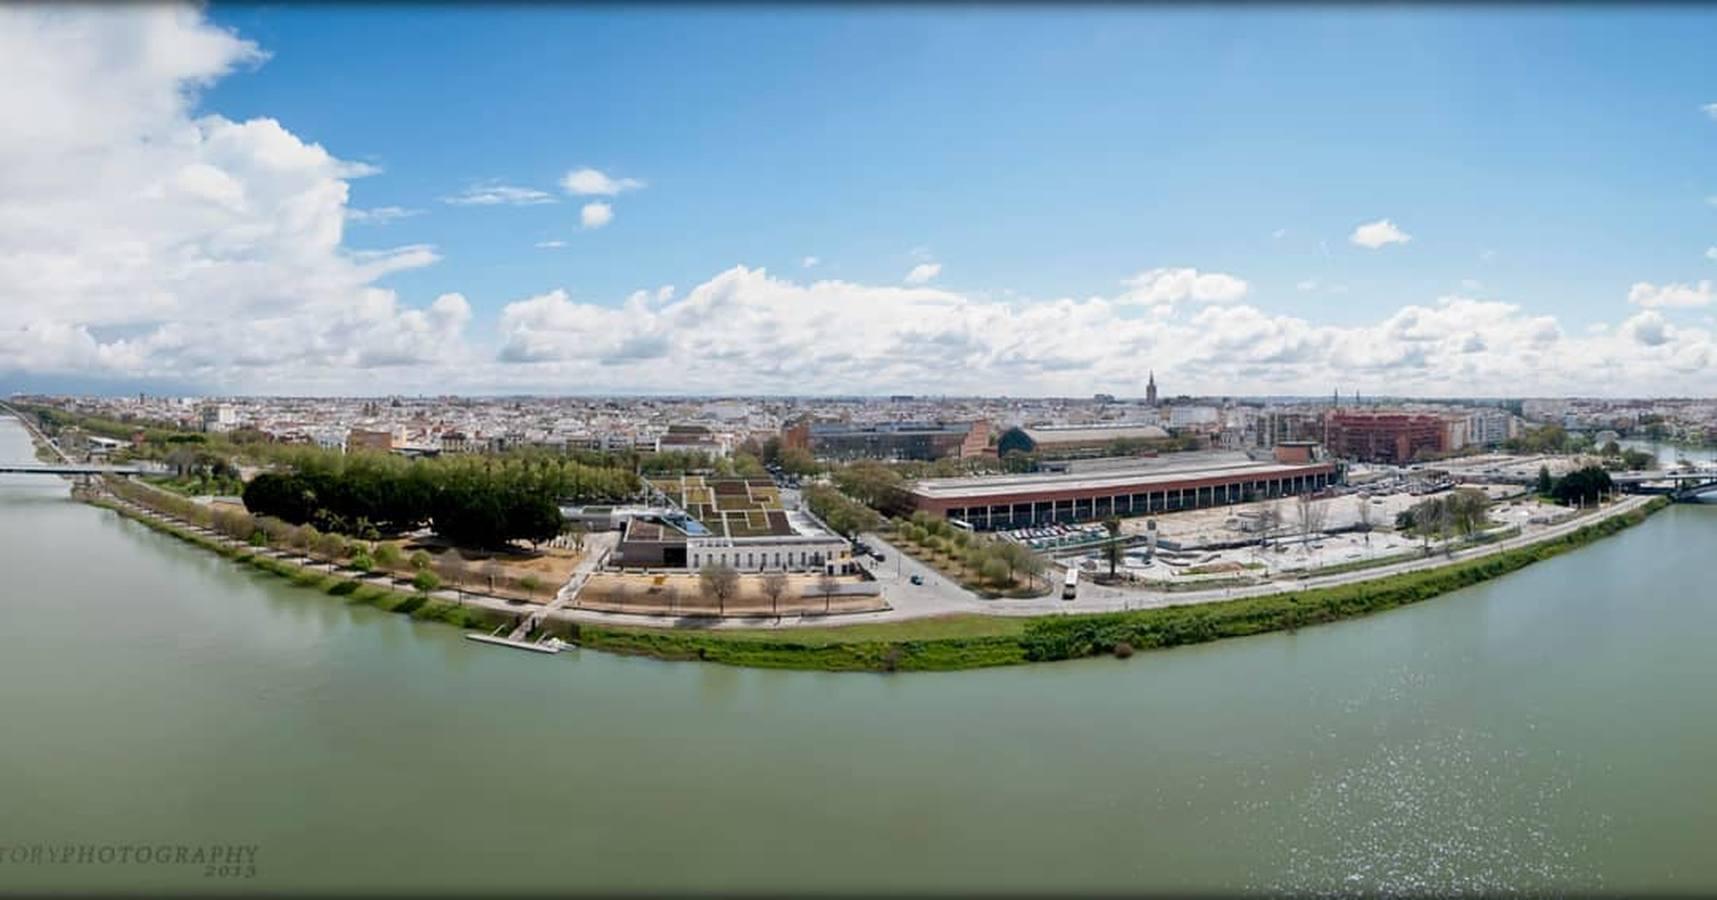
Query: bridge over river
[(76, 469)]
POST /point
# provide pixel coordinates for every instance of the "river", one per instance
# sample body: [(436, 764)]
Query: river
[(1552, 729)]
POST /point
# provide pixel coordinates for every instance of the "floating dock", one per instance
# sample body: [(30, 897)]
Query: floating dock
[(548, 645)]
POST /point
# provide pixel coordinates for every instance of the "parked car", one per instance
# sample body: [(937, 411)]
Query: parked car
[(916, 579)]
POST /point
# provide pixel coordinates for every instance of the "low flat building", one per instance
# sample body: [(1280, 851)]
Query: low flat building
[(888, 440), (1078, 440), (1016, 501)]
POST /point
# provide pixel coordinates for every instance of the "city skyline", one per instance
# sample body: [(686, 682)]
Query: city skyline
[(1257, 203)]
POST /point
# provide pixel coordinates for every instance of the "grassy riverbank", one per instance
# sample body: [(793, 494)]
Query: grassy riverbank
[(352, 590), (956, 642)]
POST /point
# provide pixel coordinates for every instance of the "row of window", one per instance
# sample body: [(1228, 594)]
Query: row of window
[(1005, 516), (752, 559)]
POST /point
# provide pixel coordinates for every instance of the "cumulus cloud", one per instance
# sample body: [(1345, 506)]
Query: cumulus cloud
[(589, 182), (1650, 296), (923, 273), (1382, 232), (1166, 286), (494, 193), (1711, 253), (809, 262), (1710, 110), (748, 330), (212, 247), (595, 215)]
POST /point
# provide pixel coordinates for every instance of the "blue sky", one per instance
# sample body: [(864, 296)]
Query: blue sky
[(1044, 151), (1084, 194)]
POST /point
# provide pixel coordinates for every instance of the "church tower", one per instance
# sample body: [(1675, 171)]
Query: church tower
[(1151, 389)]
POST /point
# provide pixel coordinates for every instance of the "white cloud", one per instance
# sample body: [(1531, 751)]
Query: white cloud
[(923, 273), (595, 215), (493, 193), (380, 215), (1711, 253), (1157, 287), (590, 182), (1710, 109), (809, 262), (1310, 284), (1279, 233), (746, 330), (139, 238), (1373, 235), (550, 245), (1650, 296), (1648, 327)]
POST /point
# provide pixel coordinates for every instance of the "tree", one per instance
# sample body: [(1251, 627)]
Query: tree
[(387, 555), (1582, 486), (798, 461), (1545, 485), (1309, 513), (1269, 519), (419, 561), (1113, 550), (451, 567), (995, 571), (1365, 515), (1610, 448), (493, 570), (330, 547), (361, 561), (719, 582), (827, 584), (530, 583), (774, 587), (577, 532), (425, 581)]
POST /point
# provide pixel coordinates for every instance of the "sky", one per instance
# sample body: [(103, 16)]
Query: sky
[(1421, 201)]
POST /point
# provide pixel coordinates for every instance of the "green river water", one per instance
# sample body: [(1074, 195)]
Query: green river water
[(1553, 729)]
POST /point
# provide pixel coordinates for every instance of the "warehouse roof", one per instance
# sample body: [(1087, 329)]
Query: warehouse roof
[(1142, 477)]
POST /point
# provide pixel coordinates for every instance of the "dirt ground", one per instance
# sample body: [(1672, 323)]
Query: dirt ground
[(663, 594)]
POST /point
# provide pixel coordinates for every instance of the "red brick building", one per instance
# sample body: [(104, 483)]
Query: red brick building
[(1385, 437)]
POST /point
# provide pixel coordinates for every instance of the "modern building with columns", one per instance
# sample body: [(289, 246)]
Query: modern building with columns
[(1017, 501)]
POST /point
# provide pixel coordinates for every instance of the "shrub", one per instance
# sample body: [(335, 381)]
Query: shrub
[(387, 556), (425, 581), (420, 561), (361, 561)]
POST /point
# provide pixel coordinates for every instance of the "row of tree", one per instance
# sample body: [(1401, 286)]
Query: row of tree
[(471, 501), (997, 562), (840, 512)]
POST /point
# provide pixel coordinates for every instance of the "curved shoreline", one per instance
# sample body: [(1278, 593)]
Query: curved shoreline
[(954, 643)]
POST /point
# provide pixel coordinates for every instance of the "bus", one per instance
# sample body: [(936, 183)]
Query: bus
[(1070, 584)]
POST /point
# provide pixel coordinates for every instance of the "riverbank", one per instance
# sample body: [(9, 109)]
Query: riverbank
[(953, 642), (351, 589)]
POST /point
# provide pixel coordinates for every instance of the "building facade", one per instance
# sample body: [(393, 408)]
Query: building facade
[(1394, 438), (1027, 500)]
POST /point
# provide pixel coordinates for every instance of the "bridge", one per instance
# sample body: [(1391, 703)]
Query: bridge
[(1678, 484), (74, 469)]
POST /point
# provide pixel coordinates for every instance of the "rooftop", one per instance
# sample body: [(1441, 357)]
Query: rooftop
[(1141, 476)]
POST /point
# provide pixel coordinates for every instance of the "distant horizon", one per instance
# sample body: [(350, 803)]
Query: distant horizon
[(1364, 399)]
